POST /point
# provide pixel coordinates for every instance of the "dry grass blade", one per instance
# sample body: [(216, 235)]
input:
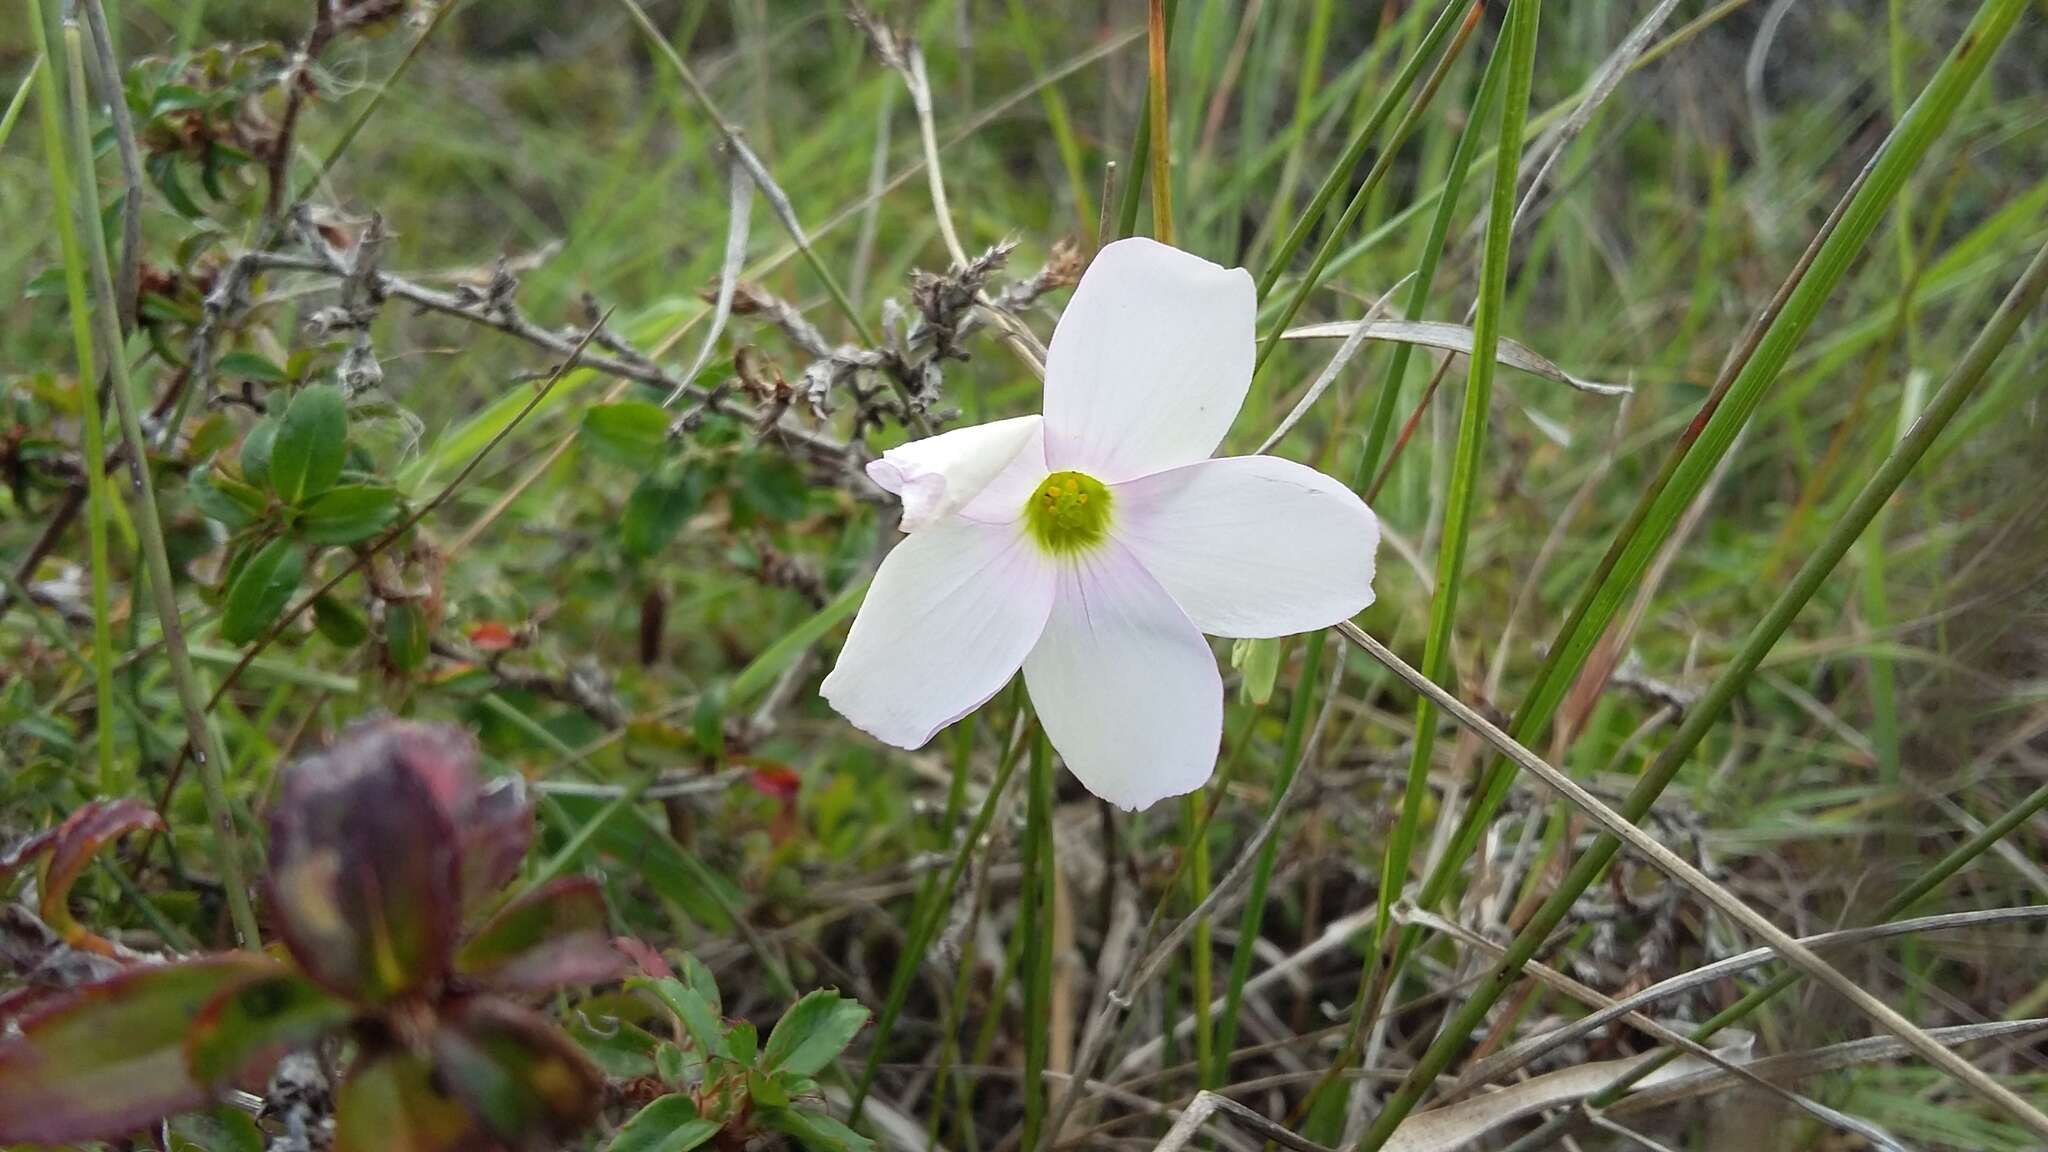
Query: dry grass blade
[(1361, 331), (1461, 1123), (1453, 338), (1826, 1059), (1502, 1063), (1678, 869), (738, 213)]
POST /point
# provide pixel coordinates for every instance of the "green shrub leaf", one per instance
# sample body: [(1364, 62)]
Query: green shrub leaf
[(813, 1033), (261, 590), (348, 513), (670, 1124), (312, 441), (632, 432)]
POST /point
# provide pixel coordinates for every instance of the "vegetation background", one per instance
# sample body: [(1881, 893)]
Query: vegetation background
[(636, 621)]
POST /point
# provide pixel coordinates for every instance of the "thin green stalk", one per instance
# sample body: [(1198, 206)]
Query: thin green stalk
[(20, 101), (926, 925), (1039, 888), (1965, 381), (1252, 919), (206, 742), (1363, 194), (1061, 121), (1202, 980), (376, 100), (784, 213), (1141, 148), (1841, 535), (1157, 108), (1520, 50), (1388, 400), (1354, 151), (1517, 56), (98, 504), (1712, 432), (1307, 85)]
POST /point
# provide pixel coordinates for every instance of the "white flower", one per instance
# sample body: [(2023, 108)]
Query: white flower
[(1095, 545)]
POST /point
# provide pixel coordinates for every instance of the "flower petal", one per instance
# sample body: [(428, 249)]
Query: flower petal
[(1252, 545), (1126, 687), (1149, 363), (950, 617), (940, 475)]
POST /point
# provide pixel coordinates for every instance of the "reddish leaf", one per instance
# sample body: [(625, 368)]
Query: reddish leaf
[(777, 780), (394, 1103), (646, 959), (65, 851), (491, 636), (781, 782), (493, 821), (83, 834), (110, 1057), (364, 866), (242, 1033), (528, 1083), (25, 849), (495, 828), (546, 939)]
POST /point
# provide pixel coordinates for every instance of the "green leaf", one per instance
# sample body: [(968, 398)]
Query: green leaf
[(348, 513), (257, 446), (670, 1124), (554, 936), (109, 1058), (632, 432), (406, 635), (1259, 660), (813, 1033), (312, 441), (526, 1080), (243, 1032), (676, 1066), (766, 1090), (163, 172), (815, 1130), (261, 590), (698, 1017), (343, 624), (176, 98), (250, 366), (657, 509), (697, 975), (766, 487), (222, 1128), (394, 1102), (744, 1042), (226, 499)]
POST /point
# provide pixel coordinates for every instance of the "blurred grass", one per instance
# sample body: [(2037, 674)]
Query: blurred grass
[(1673, 217)]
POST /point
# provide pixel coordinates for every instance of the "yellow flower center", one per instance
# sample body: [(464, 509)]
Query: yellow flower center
[(1068, 513)]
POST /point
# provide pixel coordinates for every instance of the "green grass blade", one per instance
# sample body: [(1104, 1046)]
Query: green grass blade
[(1363, 195), (98, 505), (1964, 381), (209, 752), (1362, 137), (1253, 917), (1713, 431), (1037, 904)]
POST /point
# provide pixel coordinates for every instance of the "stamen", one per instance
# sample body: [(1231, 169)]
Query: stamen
[(1068, 513)]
